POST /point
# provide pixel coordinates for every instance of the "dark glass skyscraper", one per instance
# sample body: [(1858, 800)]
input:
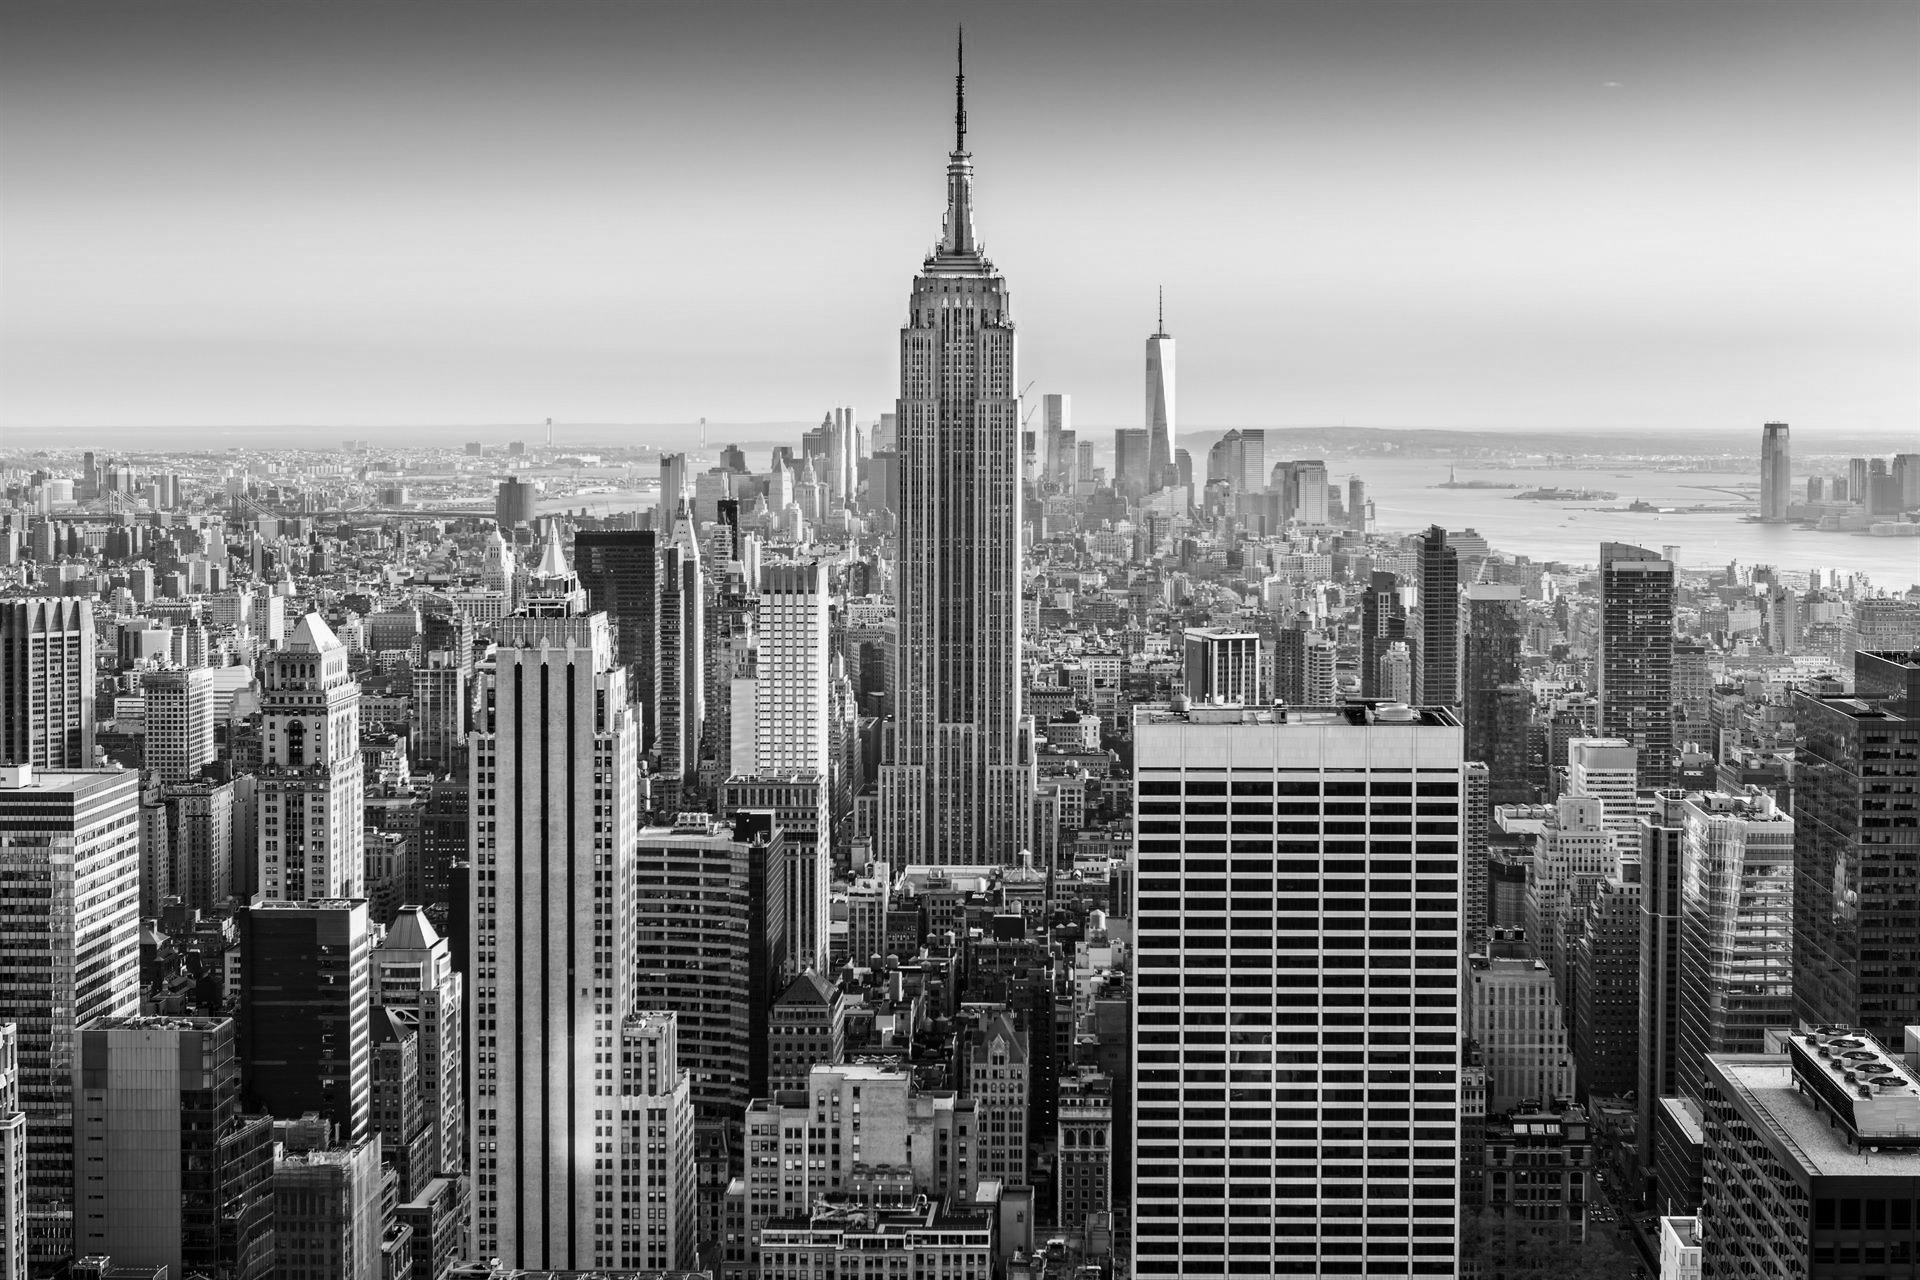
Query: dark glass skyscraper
[(620, 568), (1436, 676), (1635, 666), (1856, 908), (304, 1011), (1492, 619)]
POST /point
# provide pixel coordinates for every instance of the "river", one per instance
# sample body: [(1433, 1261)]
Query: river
[(1573, 531), (1404, 500)]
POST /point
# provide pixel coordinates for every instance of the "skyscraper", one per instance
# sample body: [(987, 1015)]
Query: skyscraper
[(1736, 928), (1492, 627), (328, 1219), (69, 892), (683, 674), (304, 1011), (693, 936), (1662, 846), (790, 693), (311, 781), (1776, 472), (1635, 662), (46, 683), (413, 971), (175, 1176), (1132, 460), (1161, 416), (553, 764), (620, 569), (442, 683), (960, 786), (1437, 677), (792, 894), (1514, 1014), (654, 1134), (1311, 950), (1223, 666), (179, 721), (1856, 809), (1607, 769), (1058, 412), (13, 1159), (1383, 622)]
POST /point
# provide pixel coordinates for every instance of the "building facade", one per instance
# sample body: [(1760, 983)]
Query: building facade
[(1811, 1160), (1856, 809), (553, 768), (1776, 472), (171, 1172), (1334, 899), (305, 1004), (47, 683), (179, 722), (1437, 679), (1736, 928), (13, 1159), (70, 893), (413, 970), (1635, 662), (311, 784)]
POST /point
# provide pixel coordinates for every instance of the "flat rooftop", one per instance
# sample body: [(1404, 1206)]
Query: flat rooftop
[(1357, 714), (1763, 1086)]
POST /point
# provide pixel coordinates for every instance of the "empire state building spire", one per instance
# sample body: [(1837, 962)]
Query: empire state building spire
[(957, 239)]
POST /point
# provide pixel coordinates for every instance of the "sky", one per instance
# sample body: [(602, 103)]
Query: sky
[(1538, 215)]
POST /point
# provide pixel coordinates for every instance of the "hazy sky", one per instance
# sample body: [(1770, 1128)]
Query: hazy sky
[(1672, 215)]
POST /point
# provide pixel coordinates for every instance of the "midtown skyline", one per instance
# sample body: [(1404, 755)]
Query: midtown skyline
[(488, 220)]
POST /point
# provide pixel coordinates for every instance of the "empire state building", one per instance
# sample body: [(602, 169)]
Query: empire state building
[(959, 788)]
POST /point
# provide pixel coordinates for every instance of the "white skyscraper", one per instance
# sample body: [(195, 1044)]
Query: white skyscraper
[(311, 783), (1297, 1020), (682, 680), (1575, 856), (790, 694), (552, 764), (960, 786), (1161, 415), (1608, 769)]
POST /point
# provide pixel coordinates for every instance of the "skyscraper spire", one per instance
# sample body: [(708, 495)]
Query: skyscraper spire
[(960, 92), (1160, 324), (957, 235)]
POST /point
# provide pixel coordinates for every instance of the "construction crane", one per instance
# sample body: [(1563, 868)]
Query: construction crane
[(1023, 395)]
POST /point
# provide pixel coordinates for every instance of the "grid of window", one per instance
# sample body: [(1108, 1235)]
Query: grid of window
[(1297, 1021)]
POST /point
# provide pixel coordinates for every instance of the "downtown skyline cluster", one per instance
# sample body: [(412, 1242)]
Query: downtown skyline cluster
[(942, 850)]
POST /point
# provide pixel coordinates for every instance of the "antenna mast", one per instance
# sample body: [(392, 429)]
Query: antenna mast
[(960, 91)]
